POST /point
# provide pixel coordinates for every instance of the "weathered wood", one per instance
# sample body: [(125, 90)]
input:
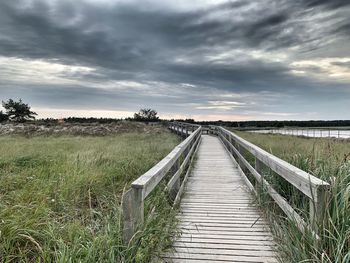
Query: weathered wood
[(217, 213), (228, 147), (317, 199), (318, 207), (174, 183), (282, 203), (303, 181), (133, 209), (182, 187), (133, 199), (182, 167), (152, 177)]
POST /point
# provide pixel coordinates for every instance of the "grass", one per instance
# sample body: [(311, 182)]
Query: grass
[(328, 159), (60, 197)]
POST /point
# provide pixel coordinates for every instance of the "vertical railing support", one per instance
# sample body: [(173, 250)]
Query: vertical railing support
[(133, 212), (240, 162), (176, 186), (259, 166), (318, 206)]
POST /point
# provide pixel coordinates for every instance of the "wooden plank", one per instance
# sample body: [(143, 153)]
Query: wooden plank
[(217, 219), (203, 228), (219, 212), (214, 251), (219, 224), (221, 236), (225, 241), (221, 217), (220, 258)]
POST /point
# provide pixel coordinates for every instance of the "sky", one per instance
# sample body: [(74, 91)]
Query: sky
[(208, 60)]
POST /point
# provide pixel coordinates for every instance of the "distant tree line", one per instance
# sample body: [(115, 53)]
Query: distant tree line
[(18, 111)]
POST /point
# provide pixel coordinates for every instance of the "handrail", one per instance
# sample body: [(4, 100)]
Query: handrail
[(314, 188), (176, 162), (179, 158)]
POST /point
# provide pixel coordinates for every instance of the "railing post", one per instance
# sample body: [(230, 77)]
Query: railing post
[(133, 212), (241, 164), (176, 186), (259, 165), (318, 206)]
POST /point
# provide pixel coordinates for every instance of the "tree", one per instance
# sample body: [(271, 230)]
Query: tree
[(146, 115), (18, 111), (3, 117)]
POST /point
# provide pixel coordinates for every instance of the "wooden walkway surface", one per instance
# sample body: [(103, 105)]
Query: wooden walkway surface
[(218, 220)]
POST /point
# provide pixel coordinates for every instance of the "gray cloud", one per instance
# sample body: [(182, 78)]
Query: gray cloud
[(234, 46)]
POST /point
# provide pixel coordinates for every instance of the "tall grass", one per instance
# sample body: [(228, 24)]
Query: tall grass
[(60, 197), (327, 159)]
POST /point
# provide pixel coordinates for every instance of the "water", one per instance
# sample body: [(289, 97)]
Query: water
[(317, 133)]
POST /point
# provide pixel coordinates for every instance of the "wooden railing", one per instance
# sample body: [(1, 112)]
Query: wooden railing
[(178, 160), (314, 188), (175, 163), (183, 129)]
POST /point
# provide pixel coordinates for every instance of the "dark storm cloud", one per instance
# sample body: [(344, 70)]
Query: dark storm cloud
[(124, 36), (133, 42), (128, 37), (331, 4)]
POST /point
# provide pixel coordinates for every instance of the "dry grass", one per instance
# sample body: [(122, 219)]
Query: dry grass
[(60, 196)]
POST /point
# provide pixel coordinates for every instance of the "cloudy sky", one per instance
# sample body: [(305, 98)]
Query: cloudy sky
[(202, 59)]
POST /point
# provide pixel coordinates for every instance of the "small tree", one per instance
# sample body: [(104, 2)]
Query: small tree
[(146, 115), (18, 111), (3, 117)]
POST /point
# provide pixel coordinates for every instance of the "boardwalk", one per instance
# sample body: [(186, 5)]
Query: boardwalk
[(218, 220)]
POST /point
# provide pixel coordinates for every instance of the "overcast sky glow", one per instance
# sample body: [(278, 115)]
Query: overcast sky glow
[(229, 60)]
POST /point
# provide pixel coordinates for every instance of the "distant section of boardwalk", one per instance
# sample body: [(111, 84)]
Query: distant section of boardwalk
[(218, 220)]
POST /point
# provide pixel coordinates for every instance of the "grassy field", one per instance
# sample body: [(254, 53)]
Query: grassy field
[(328, 159), (60, 197)]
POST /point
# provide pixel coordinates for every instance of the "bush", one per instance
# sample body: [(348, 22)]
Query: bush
[(146, 115), (18, 111), (3, 117)]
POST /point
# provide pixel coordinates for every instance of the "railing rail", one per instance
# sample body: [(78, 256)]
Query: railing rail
[(314, 188), (176, 162)]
